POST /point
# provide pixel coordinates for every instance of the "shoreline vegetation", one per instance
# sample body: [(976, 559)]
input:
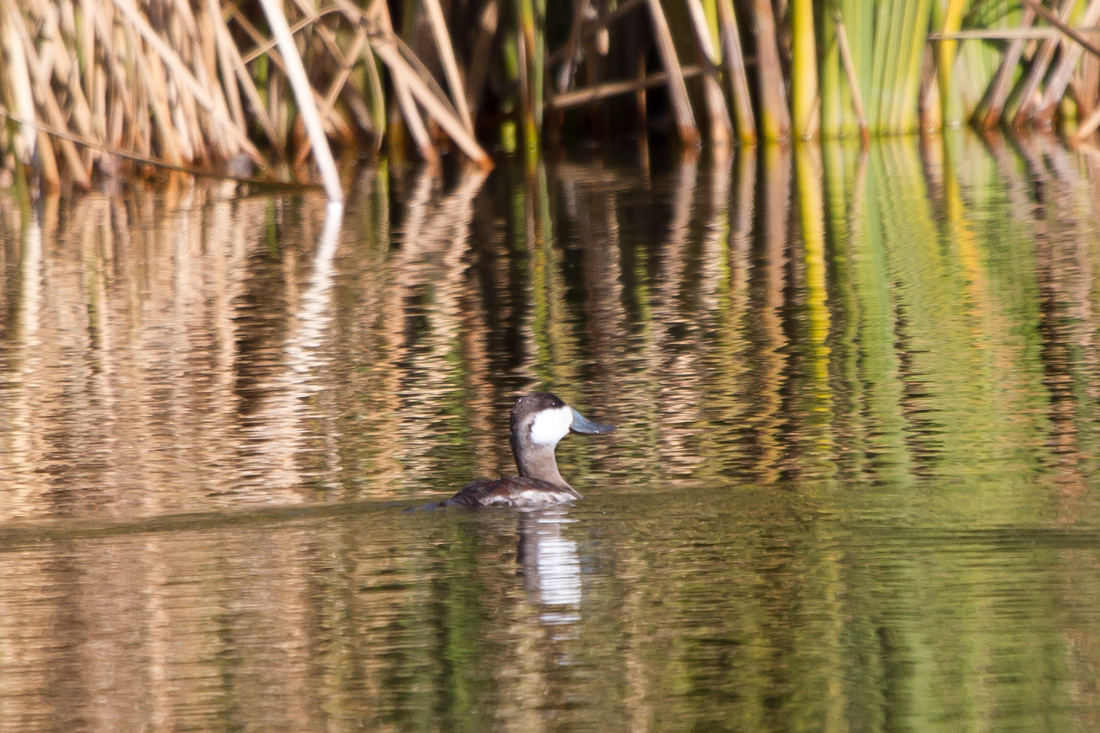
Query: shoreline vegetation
[(111, 89)]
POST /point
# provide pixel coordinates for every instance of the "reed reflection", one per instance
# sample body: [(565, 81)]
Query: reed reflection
[(573, 316), (1064, 256), (744, 340), (851, 385)]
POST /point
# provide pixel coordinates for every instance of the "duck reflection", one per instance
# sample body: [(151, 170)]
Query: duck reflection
[(550, 565)]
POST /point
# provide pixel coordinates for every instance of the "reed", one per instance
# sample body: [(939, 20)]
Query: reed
[(735, 70), (532, 46), (203, 85), (804, 91), (989, 112), (831, 74), (775, 117), (809, 182), (721, 128), (914, 37)]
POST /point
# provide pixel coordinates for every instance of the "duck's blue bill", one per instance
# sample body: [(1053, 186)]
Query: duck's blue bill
[(582, 424)]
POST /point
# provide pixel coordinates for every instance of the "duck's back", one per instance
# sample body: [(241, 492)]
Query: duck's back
[(518, 491)]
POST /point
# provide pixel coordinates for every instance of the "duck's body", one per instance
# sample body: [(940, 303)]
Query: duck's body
[(539, 421), (517, 491)]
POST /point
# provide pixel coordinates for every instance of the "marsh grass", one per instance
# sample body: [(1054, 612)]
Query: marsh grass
[(106, 87)]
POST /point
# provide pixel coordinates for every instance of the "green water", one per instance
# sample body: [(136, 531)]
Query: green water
[(854, 485)]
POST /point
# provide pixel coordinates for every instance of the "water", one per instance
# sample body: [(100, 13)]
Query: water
[(854, 485)]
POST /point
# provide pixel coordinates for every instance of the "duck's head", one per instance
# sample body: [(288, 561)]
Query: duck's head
[(544, 419), (539, 421)]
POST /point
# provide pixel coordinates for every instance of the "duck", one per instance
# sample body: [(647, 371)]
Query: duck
[(539, 421)]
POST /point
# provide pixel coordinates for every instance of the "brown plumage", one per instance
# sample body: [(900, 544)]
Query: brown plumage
[(514, 491), (539, 421)]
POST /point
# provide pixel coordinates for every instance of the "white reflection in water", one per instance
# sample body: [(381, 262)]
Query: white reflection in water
[(20, 445), (551, 566), (316, 313), (281, 429)]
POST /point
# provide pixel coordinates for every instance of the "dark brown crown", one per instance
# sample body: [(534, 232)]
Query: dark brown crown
[(534, 403)]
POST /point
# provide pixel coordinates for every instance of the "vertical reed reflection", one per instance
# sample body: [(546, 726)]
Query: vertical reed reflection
[(815, 400), (1063, 256), (769, 338), (845, 190), (409, 421), (722, 297), (855, 387), (279, 431)]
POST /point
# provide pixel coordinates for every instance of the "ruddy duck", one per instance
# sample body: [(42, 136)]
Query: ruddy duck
[(539, 421)]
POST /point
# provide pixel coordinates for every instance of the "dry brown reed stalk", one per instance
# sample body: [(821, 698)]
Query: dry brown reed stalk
[(153, 85), (1039, 64), (64, 71), (49, 133), (1002, 82), (1087, 127), (388, 48), (677, 89), (245, 82), (1061, 24), (1086, 84), (50, 173), (721, 128), (775, 116), (304, 93), (347, 64), (166, 81), (587, 95), (407, 70), (183, 75), (40, 75), (735, 69), (450, 65), (264, 45), (1042, 111), (335, 124), (415, 123), (332, 121), (22, 95), (586, 27), (328, 102)]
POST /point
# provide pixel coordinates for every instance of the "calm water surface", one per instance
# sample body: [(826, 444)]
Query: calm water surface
[(855, 484)]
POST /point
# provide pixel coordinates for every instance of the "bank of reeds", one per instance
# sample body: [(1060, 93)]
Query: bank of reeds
[(89, 85)]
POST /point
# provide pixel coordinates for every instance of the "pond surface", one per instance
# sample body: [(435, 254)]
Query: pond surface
[(854, 486)]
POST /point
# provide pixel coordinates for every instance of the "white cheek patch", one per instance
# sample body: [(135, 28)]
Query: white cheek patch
[(550, 426)]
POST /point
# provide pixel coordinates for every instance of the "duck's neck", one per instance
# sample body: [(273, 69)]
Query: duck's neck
[(537, 461)]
